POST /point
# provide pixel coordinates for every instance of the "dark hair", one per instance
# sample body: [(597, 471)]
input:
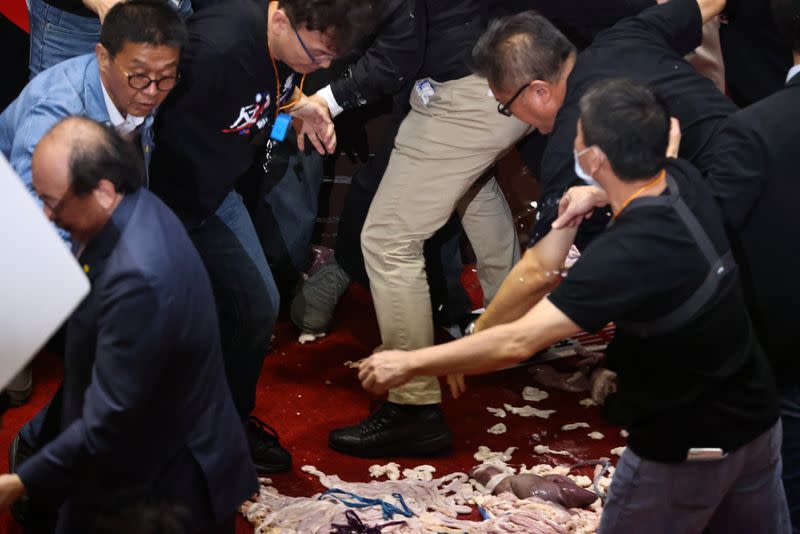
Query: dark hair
[(104, 154), (519, 49), (150, 22), (343, 22), (629, 123), (787, 18)]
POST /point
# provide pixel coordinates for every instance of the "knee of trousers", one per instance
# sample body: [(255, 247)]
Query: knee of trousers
[(386, 248)]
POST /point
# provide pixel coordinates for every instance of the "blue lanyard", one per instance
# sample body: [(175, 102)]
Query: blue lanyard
[(363, 502), (356, 526)]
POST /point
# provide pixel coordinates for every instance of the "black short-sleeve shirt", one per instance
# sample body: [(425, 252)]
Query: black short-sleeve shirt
[(705, 384), (647, 48), (213, 127)]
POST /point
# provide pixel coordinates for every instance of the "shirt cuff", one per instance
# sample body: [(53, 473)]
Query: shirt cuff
[(333, 106)]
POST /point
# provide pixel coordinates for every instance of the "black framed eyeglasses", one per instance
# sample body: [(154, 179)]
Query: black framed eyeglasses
[(56, 206), (143, 81), (505, 109), (314, 60)]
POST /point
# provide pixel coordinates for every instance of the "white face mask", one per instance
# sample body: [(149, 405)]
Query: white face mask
[(583, 175)]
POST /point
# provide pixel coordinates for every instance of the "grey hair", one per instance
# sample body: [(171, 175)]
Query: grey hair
[(519, 49)]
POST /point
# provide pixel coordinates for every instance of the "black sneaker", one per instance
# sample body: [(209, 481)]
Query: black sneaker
[(265, 448), (314, 305), (395, 430)]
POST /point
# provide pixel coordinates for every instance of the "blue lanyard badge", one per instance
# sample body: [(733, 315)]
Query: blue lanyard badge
[(281, 126)]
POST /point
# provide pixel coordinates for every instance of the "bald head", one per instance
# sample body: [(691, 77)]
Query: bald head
[(93, 152), (74, 130), (81, 170)]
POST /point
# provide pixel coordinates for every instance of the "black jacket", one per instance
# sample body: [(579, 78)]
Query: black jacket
[(756, 181), (756, 58), (578, 20), (414, 39), (391, 57)]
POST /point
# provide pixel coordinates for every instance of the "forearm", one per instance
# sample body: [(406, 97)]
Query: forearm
[(535, 275), (498, 347), (495, 348)]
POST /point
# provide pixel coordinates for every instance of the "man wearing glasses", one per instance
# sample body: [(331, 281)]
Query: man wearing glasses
[(144, 407), (134, 66), (536, 75), (238, 93), (132, 70)]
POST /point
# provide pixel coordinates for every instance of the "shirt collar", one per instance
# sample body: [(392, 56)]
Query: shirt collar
[(794, 71), (123, 125)]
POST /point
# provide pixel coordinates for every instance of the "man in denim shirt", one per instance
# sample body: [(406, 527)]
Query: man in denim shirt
[(131, 72), (64, 29)]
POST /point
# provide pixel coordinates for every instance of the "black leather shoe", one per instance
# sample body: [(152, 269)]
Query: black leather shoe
[(395, 430), (265, 448)]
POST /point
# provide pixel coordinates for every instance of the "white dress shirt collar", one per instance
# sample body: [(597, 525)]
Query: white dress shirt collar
[(123, 125)]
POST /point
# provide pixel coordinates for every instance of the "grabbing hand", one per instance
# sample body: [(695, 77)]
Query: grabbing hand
[(312, 119), (11, 489), (456, 384), (384, 370), (577, 204), (101, 7)]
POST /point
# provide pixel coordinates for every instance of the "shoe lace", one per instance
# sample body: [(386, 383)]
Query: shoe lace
[(376, 420), (266, 432)]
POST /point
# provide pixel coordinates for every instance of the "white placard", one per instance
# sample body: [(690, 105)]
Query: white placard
[(41, 283)]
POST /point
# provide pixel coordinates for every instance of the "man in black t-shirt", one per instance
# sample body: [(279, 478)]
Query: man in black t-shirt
[(239, 77), (522, 57), (693, 386)]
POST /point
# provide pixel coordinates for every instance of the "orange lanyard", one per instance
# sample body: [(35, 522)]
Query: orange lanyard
[(655, 181), (278, 107)]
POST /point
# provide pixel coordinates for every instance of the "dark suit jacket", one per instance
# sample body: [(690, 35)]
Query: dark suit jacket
[(756, 56), (756, 181), (144, 385)]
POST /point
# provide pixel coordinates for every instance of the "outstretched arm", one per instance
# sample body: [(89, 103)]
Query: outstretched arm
[(495, 348), (530, 280), (537, 273)]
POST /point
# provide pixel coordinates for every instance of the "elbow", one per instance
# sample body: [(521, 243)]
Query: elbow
[(534, 277)]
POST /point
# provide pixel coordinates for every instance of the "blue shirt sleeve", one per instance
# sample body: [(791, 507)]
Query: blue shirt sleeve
[(30, 127)]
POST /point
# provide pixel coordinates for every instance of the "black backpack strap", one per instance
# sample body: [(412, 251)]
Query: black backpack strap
[(719, 267)]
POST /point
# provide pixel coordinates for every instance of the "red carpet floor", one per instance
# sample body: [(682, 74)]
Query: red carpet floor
[(305, 391)]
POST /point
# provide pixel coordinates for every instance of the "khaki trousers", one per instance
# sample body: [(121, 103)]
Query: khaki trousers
[(445, 144)]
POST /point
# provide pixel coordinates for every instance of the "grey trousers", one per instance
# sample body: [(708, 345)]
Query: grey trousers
[(740, 493)]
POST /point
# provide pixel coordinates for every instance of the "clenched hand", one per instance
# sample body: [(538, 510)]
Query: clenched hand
[(100, 7), (577, 204), (11, 489), (312, 119), (384, 370)]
